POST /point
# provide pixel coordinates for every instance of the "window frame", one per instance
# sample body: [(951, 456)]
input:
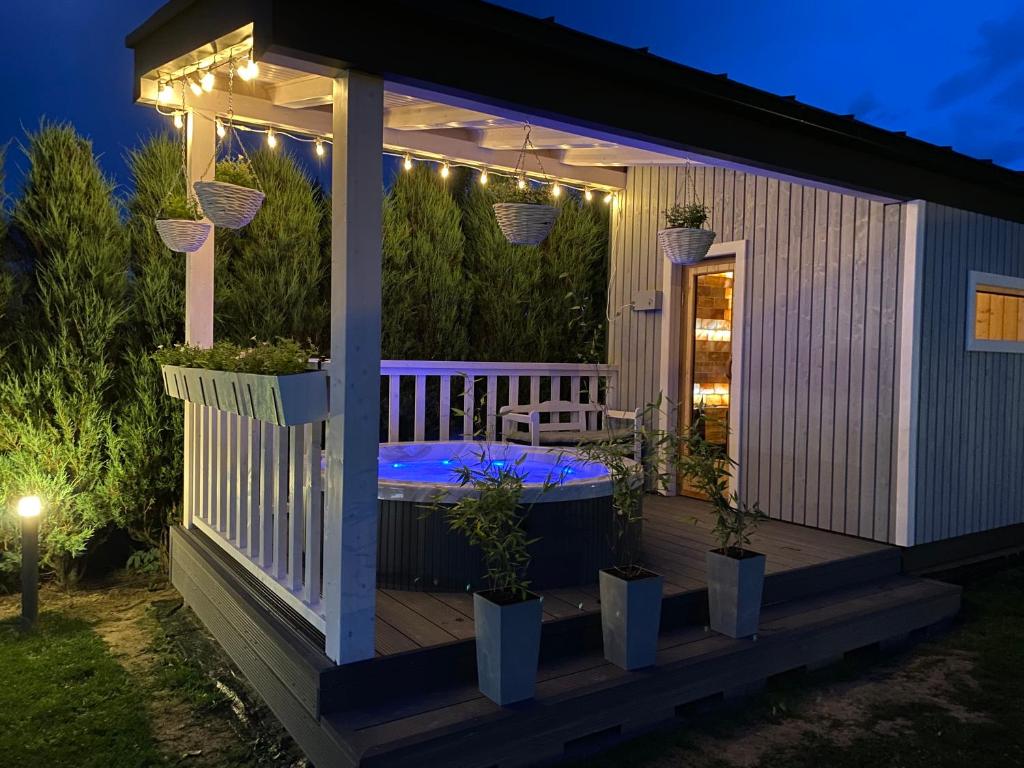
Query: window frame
[(1002, 284)]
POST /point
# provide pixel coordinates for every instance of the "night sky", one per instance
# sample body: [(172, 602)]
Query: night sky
[(950, 73)]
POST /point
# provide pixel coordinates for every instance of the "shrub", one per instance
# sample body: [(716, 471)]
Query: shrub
[(56, 428), (278, 358), (690, 215), (238, 172)]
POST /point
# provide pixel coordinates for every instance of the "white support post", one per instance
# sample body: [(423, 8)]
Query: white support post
[(200, 144), (350, 527)]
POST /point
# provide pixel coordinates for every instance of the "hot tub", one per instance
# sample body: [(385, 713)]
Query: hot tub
[(573, 521)]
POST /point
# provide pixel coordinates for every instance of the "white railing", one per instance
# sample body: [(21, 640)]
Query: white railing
[(469, 395), (257, 489)]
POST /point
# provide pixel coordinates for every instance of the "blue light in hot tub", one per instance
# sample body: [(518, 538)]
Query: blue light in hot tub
[(397, 465), (446, 462)]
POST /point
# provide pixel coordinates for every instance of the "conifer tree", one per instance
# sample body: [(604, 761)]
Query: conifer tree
[(272, 275), (56, 426)]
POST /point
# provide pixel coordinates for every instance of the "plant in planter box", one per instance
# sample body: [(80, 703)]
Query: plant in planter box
[(270, 381), (507, 616), (233, 198), (631, 594), (180, 225), (735, 572), (524, 212), (684, 239)]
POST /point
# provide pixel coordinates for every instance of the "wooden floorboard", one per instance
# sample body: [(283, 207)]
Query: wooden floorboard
[(677, 534)]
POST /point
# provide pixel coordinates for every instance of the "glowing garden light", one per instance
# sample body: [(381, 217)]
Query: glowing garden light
[(29, 509), (521, 183)]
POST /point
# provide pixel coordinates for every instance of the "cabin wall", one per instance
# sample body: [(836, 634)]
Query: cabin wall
[(821, 300), (970, 424)]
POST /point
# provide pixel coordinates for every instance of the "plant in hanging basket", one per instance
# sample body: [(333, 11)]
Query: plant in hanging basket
[(232, 200), (179, 225), (525, 215), (684, 240)]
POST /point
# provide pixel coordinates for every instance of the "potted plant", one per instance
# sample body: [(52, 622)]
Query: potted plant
[(735, 573), (233, 199), (630, 594), (271, 381), (506, 615), (180, 225), (524, 213), (684, 239)]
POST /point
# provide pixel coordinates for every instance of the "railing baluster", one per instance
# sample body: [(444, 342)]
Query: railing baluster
[(230, 448), (556, 387), (534, 389), (280, 501), (419, 407), (267, 494), (313, 503), (574, 389), (513, 390), (252, 513), (296, 505), (593, 393), (468, 396), (394, 403), (492, 406), (211, 464), (444, 416)]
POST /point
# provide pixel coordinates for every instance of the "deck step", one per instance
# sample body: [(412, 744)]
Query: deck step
[(584, 703)]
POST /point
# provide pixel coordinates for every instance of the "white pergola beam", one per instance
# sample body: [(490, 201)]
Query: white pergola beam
[(257, 111), (422, 117), (350, 526), (511, 137), (618, 156), (302, 92)]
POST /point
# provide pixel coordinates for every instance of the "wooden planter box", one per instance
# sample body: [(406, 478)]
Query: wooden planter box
[(297, 398)]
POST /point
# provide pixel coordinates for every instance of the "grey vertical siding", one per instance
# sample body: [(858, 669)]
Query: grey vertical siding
[(820, 336), (970, 440)]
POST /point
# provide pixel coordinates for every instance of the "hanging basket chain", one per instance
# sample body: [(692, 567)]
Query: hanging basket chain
[(520, 169)]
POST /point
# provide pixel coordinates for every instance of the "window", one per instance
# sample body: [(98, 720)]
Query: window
[(995, 313)]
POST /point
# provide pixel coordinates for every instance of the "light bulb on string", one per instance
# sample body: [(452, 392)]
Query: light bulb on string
[(165, 94), (556, 190), (445, 170), (319, 147), (408, 163), (588, 195), (521, 183), (608, 198), (483, 177), (221, 130), (249, 70), (207, 81), (179, 121), (271, 138), (195, 87)]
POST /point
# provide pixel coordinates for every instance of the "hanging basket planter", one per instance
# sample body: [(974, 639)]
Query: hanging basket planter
[(183, 235), (683, 245), (525, 223), (228, 205)]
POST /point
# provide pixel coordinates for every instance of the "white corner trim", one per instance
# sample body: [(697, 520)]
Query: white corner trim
[(998, 284), (909, 376)]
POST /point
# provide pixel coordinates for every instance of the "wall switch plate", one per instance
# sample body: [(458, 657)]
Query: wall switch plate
[(647, 301)]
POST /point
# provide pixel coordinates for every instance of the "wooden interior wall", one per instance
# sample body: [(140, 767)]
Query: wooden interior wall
[(820, 349), (970, 449)]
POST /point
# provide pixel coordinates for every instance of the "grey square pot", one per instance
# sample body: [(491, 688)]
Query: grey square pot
[(507, 647), (735, 586), (630, 618)]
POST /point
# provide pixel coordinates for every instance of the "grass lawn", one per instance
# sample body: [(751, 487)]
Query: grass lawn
[(953, 702)]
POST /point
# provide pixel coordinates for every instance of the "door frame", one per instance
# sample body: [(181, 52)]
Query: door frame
[(675, 315)]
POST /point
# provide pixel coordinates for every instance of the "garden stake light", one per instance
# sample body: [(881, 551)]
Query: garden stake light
[(29, 508)]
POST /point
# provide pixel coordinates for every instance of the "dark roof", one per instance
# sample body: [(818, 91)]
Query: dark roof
[(507, 59)]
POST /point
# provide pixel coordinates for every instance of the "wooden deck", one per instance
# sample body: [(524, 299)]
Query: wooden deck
[(677, 534)]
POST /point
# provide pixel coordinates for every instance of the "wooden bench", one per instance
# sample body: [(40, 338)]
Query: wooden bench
[(585, 422)]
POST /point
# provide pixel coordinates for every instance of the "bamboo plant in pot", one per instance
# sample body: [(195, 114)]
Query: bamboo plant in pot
[(506, 615), (180, 225), (735, 573), (684, 239), (630, 594)]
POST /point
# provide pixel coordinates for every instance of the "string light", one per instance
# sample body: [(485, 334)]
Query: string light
[(179, 121), (608, 198), (588, 195), (250, 70), (555, 190), (166, 93), (521, 183), (221, 131), (271, 138), (207, 81), (319, 147), (445, 170), (408, 163), (483, 177), (195, 87)]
